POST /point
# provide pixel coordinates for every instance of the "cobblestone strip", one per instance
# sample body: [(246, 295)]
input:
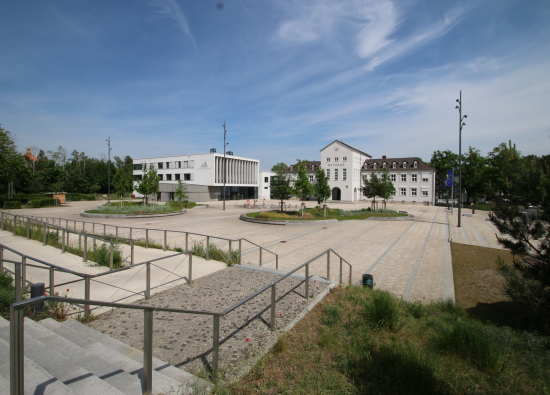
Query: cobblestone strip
[(371, 268), (479, 236), (448, 281)]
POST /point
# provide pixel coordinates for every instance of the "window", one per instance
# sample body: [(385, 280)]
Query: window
[(328, 159), (403, 192), (179, 165), (266, 179), (413, 191), (424, 192), (167, 165), (312, 167), (344, 174), (138, 177), (177, 177), (414, 177), (425, 177), (404, 165), (138, 166), (311, 178), (291, 168), (394, 165), (185, 164), (393, 177), (160, 177), (403, 178), (187, 177), (168, 177), (265, 187), (160, 165), (344, 158), (383, 165), (366, 166), (335, 174), (328, 174), (415, 164), (374, 166), (336, 159)]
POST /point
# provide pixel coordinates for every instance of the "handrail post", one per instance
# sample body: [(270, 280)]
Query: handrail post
[(52, 285), (23, 272), (104, 229), (131, 251), (240, 250), (111, 256), (190, 273), (130, 233), (87, 297), (93, 228), (146, 238), (307, 281), (216, 346), (147, 351), (164, 245), (276, 261), (230, 252), (186, 241), (85, 248), (340, 270), (63, 241), (116, 234), (17, 351), (260, 256), (148, 280), (207, 248), (17, 270), (349, 273), (273, 298), (45, 233), (1, 259), (28, 228), (328, 264), (2, 220), (15, 225)]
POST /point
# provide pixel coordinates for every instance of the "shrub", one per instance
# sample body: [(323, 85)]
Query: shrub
[(75, 197), (12, 204), (7, 293), (42, 202), (88, 197), (382, 310)]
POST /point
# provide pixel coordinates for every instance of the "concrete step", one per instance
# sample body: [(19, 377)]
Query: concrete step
[(166, 377)]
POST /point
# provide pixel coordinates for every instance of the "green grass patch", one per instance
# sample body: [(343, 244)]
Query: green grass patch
[(316, 213), (357, 341)]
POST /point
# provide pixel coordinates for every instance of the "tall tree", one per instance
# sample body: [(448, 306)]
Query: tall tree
[(473, 174), (281, 184), (123, 181), (321, 189), (503, 163), (149, 184), (302, 186), (180, 192), (12, 165), (379, 185), (443, 161)]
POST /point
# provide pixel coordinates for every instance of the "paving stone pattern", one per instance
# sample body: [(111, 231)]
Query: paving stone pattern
[(185, 340)]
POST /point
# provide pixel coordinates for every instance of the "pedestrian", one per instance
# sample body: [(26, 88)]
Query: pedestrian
[(248, 203)]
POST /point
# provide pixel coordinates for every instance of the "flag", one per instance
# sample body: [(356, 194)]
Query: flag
[(449, 182)]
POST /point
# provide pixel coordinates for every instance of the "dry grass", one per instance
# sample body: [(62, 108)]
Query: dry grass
[(479, 288)]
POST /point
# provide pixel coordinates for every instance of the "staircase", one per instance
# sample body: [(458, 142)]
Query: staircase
[(71, 358)]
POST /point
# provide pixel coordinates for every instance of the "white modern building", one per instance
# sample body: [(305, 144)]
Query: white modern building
[(413, 179), (264, 190), (342, 164), (203, 176)]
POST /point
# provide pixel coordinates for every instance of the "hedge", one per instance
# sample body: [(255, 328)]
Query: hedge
[(11, 204), (44, 202), (75, 197)]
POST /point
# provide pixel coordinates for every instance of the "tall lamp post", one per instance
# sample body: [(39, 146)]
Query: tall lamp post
[(224, 172), (109, 173), (460, 125)]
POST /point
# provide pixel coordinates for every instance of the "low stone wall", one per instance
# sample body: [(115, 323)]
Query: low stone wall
[(409, 217), (243, 217), (84, 214)]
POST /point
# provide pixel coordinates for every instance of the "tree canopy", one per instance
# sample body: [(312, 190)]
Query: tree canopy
[(379, 185), (321, 189), (281, 184), (149, 183), (302, 186)]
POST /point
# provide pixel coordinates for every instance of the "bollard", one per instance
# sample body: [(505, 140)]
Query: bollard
[(260, 256), (52, 285), (207, 248), (148, 280), (37, 290), (307, 281), (273, 297), (164, 246)]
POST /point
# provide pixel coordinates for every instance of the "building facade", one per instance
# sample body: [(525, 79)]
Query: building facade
[(203, 175), (342, 164), (413, 179)]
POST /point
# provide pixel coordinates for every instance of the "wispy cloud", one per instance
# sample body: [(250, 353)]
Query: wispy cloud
[(170, 9)]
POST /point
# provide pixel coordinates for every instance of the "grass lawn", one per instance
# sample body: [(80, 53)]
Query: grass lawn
[(313, 214), (479, 289), (357, 341), (132, 208)]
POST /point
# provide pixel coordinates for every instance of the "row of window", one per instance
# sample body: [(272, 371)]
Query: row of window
[(169, 177), (344, 159), (344, 174), (393, 165), (413, 192), (186, 164), (312, 168)]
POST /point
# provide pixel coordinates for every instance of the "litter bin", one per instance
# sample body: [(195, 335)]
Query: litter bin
[(368, 281), (36, 291)]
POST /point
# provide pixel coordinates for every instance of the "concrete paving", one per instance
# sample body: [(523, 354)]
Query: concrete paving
[(411, 259)]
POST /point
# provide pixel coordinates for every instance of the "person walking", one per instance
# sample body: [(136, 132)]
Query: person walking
[(248, 203)]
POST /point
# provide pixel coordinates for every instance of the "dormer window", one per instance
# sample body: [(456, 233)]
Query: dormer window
[(366, 166), (404, 165), (384, 165), (291, 168), (312, 167), (415, 164), (374, 166), (394, 165)]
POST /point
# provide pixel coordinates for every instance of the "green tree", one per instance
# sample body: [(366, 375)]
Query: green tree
[(321, 189), (443, 161), (281, 184), (379, 185), (123, 181), (181, 191), (473, 174), (149, 184), (13, 167), (503, 163), (302, 186)]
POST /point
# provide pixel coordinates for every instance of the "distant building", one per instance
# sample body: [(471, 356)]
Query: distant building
[(30, 156), (203, 176), (414, 180)]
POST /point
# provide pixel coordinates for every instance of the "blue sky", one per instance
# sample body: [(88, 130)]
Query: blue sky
[(288, 77)]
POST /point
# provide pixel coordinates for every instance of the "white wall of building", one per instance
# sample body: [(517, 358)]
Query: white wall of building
[(264, 189)]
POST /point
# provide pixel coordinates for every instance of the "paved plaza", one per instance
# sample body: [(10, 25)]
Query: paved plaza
[(411, 259)]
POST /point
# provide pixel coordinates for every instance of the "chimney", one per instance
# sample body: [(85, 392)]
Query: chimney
[(383, 156)]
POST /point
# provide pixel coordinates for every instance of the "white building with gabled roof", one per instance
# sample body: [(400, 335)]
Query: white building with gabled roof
[(342, 164)]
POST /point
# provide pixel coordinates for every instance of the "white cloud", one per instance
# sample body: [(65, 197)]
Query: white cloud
[(381, 20), (171, 9)]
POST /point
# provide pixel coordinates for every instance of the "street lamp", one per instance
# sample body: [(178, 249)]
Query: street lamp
[(109, 176), (224, 172), (460, 125)]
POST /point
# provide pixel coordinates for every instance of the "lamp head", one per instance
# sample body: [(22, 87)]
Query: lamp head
[(456, 107), (457, 101), (465, 116)]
